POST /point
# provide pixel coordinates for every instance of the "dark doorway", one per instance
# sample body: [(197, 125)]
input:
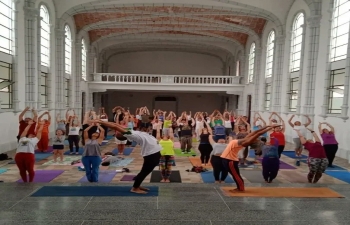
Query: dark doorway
[(165, 103), (249, 107)]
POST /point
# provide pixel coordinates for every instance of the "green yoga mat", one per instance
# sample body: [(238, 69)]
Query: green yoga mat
[(178, 152)]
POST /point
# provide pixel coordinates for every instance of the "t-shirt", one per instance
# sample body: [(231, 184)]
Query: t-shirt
[(270, 151), (302, 130), (279, 136), (145, 118), (218, 122), (218, 148), (168, 147), (316, 150), (167, 124), (27, 145), (58, 140), (219, 130), (328, 139), (23, 125), (45, 127), (74, 130), (186, 131), (231, 151), (149, 144), (227, 124)]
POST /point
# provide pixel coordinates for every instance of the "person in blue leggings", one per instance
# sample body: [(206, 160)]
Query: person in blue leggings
[(92, 153)]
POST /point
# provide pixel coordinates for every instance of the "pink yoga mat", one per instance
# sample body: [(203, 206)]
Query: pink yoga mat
[(49, 149), (78, 164), (105, 176), (128, 178), (44, 176)]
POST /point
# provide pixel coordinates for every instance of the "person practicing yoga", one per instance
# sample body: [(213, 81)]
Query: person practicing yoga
[(58, 145), (227, 123), (230, 155), (242, 129), (150, 150), (302, 129), (43, 144), (155, 124), (270, 162), (25, 153), (330, 143), (91, 157), (120, 140), (104, 117), (198, 117), (219, 171), (167, 154), (61, 124), (88, 117), (204, 146), (23, 123), (278, 134), (185, 135), (259, 122), (69, 119), (317, 159), (73, 134)]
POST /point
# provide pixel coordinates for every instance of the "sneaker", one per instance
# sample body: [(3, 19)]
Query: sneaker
[(77, 153), (71, 153)]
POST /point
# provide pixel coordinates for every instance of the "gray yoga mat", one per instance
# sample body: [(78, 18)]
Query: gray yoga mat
[(255, 176)]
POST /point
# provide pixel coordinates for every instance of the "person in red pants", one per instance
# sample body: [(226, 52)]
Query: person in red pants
[(43, 144), (25, 157)]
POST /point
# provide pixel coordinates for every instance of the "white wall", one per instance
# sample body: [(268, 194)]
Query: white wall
[(163, 62)]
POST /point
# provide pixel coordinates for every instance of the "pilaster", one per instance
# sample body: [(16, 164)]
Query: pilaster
[(278, 72)]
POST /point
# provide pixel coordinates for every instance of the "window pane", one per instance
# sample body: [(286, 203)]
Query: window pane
[(6, 26), (5, 98), (68, 50), (251, 63), (296, 43)]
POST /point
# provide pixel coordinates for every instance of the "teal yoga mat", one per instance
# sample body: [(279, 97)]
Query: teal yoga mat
[(2, 170), (38, 157), (340, 175), (127, 151), (91, 191), (291, 154), (208, 177)]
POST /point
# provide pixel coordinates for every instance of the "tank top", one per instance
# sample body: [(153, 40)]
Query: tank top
[(227, 124), (168, 147), (204, 139), (167, 123), (92, 148)]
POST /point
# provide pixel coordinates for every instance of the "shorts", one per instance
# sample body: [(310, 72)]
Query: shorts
[(297, 143), (58, 147), (119, 142)]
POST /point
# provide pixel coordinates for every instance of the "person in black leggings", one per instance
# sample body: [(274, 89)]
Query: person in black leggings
[(73, 135), (216, 160), (204, 146)]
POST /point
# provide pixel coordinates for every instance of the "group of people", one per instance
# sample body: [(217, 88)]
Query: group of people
[(224, 140)]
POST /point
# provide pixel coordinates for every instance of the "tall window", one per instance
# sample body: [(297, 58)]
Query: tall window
[(267, 96), (238, 68), (297, 41), (68, 49), (83, 60), (5, 84), (43, 90), (6, 26), (336, 91), (45, 36), (251, 63), (269, 54), (340, 30), (293, 94), (66, 91)]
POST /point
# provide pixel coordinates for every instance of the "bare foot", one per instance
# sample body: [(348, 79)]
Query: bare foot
[(236, 190), (167, 181), (138, 191), (217, 182), (162, 181), (143, 189), (222, 182)]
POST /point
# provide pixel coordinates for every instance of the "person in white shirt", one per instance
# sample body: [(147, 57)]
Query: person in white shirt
[(73, 135), (25, 158), (302, 129), (150, 150)]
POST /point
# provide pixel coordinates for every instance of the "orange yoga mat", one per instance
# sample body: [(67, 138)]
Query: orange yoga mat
[(282, 192), (197, 162)]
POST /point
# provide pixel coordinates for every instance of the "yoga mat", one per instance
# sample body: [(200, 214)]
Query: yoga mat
[(293, 176), (283, 165), (49, 150), (44, 176), (104, 176), (133, 144), (38, 157), (251, 154), (175, 176), (208, 177), (255, 176), (335, 167), (127, 151), (109, 137), (177, 144), (195, 161), (291, 154), (81, 150), (91, 191), (340, 175), (122, 163), (103, 143), (178, 152), (128, 178), (282, 192), (2, 170), (67, 160)]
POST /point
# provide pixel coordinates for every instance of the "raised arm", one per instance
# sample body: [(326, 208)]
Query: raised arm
[(102, 134), (290, 121), (210, 131), (158, 133), (41, 116), (25, 132), (320, 127), (308, 121), (253, 136), (317, 139), (35, 117), (331, 127), (114, 126), (67, 115), (20, 117), (86, 132), (48, 117), (211, 140)]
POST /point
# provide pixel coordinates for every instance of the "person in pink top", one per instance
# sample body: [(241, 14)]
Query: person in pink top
[(317, 160), (330, 143)]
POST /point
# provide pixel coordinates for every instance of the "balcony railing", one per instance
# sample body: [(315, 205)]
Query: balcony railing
[(165, 79)]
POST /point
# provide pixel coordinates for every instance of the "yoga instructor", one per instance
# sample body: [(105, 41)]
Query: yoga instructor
[(150, 150)]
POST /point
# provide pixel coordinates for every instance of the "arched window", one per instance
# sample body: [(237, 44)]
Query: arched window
[(269, 54), (83, 60), (297, 41), (251, 63), (45, 36), (6, 16), (68, 50), (340, 30)]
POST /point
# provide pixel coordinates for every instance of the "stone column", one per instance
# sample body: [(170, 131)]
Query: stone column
[(78, 76), (278, 72), (345, 106), (38, 51), (15, 78), (91, 66), (242, 67), (60, 69), (50, 88)]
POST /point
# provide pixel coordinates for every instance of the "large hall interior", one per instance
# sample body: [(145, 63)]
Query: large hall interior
[(107, 82)]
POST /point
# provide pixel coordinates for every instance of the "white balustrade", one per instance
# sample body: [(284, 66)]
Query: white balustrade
[(165, 79)]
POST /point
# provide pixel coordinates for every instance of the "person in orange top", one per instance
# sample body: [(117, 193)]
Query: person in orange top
[(43, 144), (230, 155)]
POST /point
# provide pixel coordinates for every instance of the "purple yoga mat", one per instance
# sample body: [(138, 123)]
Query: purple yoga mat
[(44, 176), (105, 176), (128, 178), (284, 166), (49, 149)]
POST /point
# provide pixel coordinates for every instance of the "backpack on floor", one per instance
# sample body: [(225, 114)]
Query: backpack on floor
[(3, 156)]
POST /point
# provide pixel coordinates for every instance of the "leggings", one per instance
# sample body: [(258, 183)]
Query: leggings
[(186, 143), (43, 143), (73, 139), (270, 167), (205, 150), (317, 166), (280, 150), (165, 163), (330, 150), (25, 162), (232, 167), (218, 168), (149, 163)]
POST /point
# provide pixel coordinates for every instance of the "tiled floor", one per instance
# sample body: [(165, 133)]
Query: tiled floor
[(190, 202)]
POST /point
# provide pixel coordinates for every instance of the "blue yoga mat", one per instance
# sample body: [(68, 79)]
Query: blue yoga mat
[(91, 191), (208, 177), (38, 157), (291, 154), (251, 154), (104, 143), (81, 150), (127, 151), (340, 175), (133, 144), (105, 176), (109, 137), (335, 168)]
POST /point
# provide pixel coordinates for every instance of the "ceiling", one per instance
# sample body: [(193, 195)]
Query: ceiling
[(219, 27)]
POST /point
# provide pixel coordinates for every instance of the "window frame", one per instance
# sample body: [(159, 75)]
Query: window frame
[(293, 93), (330, 89), (10, 28), (68, 50), (297, 32), (10, 87), (251, 61), (268, 92), (44, 76), (270, 53), (66, 91), (45, 35)]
